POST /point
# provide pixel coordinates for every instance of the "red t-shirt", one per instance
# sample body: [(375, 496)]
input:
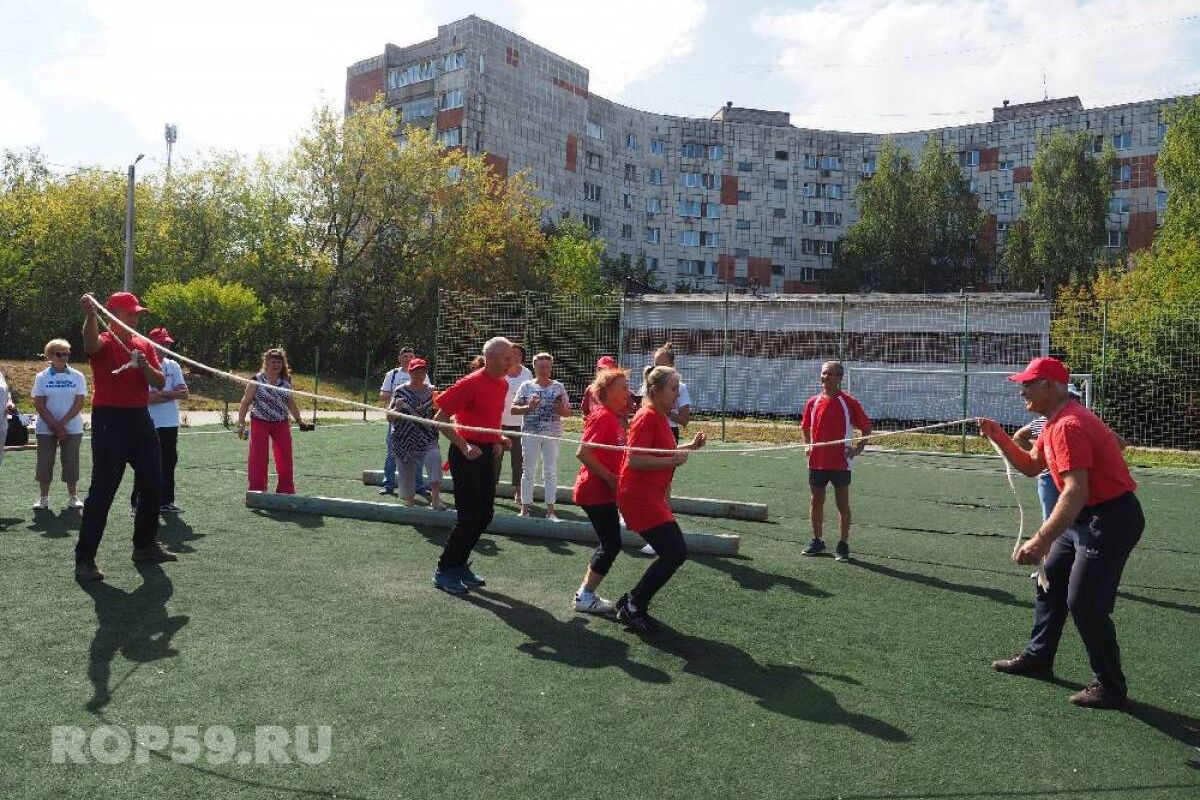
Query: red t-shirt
[(602, 426), (1075, 438), (642, 493), (476, 401), (128, 388), (828, 419)]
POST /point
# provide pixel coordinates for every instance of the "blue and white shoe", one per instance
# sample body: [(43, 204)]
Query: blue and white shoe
[(449, 582), (469, 578), (815, 547)]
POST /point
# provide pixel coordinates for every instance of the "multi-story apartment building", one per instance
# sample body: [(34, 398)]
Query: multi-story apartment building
[(741, 197)]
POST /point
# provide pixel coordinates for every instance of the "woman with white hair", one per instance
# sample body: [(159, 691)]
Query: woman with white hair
[(541, 403)]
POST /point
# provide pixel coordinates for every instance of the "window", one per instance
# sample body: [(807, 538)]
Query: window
[(833, 191), (691, 180), (716, 152), (591, 222), (973, 186), (743, 194), (1122, 141), (413, 73), (968, 158), (454, 175), (1122, 173), (595, 161), (653, 205), (454, 61), (451, 137), (1005, 196), (688, 208), (743, 224), (868, 167), (808, 246), (741, 252), (831, 162), (1098, 144), (418, 109), (1162, 131), (745, 166), (691, 150), (627, 201), (781, 155), (1007, 164), (779, 183), (812, 190), (595, 130), (832, 217), (1116, 238), (817, 247), (631, 172), (690, 266), (777, 269), (778, 213), (652, 262), (626, 231), (512, 56), (656, 176), (653, 235), (1001, 226), (1161, 200), (810, 161), (691, 238), (1118, 205), (591, 192), (778, 241), (708, 180), (630, 142), (657, 147), (452, 99), (710, 239), (711, 210)]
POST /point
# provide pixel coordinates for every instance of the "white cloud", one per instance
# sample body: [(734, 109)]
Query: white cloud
[(890, 65), (21, 121), (619, 41)]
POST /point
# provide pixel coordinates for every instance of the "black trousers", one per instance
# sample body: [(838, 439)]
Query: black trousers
[(1084, 567), (121, 436), (474, 500), (606, 520), (667, 541), (168, 449)]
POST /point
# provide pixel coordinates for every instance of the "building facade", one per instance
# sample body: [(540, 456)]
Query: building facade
[(743, 197)]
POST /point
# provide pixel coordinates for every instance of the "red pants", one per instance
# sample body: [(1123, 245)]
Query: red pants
[(280, 434)]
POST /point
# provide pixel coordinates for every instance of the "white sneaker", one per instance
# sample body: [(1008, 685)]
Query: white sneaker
[(553, 518), (74, 502), (648, 550), (43, 504), (595, 604)]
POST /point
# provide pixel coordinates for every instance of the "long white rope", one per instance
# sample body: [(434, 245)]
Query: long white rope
[(1042, 579), (498, 432)]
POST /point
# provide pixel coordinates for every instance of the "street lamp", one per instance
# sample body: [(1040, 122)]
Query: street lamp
[(129, 225)]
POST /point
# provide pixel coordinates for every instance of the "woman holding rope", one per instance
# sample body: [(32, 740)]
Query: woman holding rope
[(269, 408), (642, 487)]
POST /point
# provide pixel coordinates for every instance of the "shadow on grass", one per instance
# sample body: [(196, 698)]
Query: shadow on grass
[(756, 580), (1125, 790), (56, 526), (1185, 608), (998, 595), (1180, 727), (135, 624), (10, 522), (782, 689), (175, 533), (571, 643), (303, 520)]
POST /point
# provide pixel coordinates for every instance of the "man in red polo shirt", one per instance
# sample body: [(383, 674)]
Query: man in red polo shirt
[(124, 367), (475, 401), (831, 416), (1087, 538)]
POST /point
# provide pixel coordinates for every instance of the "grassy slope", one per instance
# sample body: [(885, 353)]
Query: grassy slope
[(781, 677)]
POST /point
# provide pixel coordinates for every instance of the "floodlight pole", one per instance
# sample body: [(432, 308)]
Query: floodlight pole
[(129, 224)]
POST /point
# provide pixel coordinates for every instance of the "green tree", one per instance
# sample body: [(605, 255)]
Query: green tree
[(208, 318), (575, 259)]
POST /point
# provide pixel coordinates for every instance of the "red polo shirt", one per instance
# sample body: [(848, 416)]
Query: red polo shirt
[(829, 419), (1075, 438), (128, 388), (602, 426), (642, 493), (476, 401)]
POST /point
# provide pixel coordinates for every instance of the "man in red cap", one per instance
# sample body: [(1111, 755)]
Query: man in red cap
[(124, 367), (1087, 538), (164, 410)]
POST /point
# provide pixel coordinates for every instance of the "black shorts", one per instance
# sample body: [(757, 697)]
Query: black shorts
[(820, 478)]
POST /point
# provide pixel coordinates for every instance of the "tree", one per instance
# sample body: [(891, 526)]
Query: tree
[(210, 319), (575, 259), (1065, 210)]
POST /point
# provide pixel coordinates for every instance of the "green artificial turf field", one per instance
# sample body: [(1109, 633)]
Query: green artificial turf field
[(775, 676)]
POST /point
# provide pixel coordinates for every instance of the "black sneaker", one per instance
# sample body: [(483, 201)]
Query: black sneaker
[(1025, 666), (815, 547), (386, 490), (637, 621), (842, 551)]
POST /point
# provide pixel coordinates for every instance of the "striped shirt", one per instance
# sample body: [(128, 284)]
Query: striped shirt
[(270, 405)]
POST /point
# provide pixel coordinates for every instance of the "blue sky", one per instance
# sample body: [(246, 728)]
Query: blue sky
[(92, 82)]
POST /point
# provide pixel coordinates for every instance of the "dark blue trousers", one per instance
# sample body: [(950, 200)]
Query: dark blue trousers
[(1084, 567)]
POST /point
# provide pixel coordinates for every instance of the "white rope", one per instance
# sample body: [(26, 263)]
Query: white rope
[(1042, 579)]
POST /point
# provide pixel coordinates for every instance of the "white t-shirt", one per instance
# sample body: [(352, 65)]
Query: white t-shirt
[(60, 390), (395, 378), (166, 415), (514, 383), (684, 399)]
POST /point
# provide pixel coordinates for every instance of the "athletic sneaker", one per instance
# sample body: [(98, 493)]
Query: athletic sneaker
[(86, 571), (74, 502), (153, 553), (449, 582), (815, 547), (593, 604), (638, 621), (648, 550), (1097, 695), (386, 490), (469, 578), (170, 508), (43, 504), (842, 551)]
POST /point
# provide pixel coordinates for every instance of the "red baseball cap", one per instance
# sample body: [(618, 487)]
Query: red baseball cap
[(606, 362), (124, 301), (416, 364), (160, 335), (1043, 367)]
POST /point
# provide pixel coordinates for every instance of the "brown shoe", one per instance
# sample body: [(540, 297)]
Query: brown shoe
[(87, 571), (153, 553), (1097, 695), (1023, 665)]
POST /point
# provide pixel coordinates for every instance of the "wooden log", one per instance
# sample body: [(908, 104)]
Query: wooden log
[(692, 506), (718, 544)]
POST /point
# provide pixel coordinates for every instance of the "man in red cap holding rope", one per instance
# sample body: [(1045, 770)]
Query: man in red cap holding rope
[(1086, 540), (124, 367)]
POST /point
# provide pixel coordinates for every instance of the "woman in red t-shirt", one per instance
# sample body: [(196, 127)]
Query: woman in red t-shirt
[(596, 483), (642, 487)]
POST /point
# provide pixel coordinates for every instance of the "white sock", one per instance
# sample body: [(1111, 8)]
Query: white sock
[(584, 592), (629, 604)]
